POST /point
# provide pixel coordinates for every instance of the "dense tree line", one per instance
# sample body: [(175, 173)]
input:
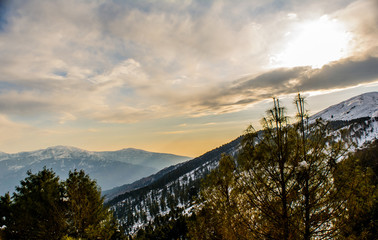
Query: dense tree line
[(43, 207), (360, 173)]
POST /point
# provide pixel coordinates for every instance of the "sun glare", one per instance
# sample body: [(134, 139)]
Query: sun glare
[(314, 44)]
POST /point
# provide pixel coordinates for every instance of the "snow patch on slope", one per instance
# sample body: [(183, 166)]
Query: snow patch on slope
[(365, 105)]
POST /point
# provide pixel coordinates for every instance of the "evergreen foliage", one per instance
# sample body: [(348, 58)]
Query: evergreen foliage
[(85, 209), (37, 208), (165, 227), (45, 208), (360, 174), (281, 186)]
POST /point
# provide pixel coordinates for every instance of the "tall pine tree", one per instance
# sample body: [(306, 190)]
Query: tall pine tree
[(87, 216), (282, 186)]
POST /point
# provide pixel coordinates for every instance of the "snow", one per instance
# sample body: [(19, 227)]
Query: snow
[(360, 132), (15, 167), (367, 135), (365, 105), (303, 165)]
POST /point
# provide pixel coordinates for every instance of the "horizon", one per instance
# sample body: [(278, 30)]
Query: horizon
[(138, 149), (177, 77), (85, 150)]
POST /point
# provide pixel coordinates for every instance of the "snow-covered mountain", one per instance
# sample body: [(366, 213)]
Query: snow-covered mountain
[(110, 169), (356, 117), (364, 105), (170, 192)]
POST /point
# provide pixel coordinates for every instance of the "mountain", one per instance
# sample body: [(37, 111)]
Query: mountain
[(144, 158), (192, 169), (356, 118), (364, 105), (170, 192), (114, 192), (110, 169)]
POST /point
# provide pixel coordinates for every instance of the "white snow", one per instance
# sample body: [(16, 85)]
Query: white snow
[(15, 167), (365, 105), (303, 165), (359, 132)]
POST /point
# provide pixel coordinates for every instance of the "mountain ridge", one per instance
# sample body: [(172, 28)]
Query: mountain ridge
[(72, 148), (363, 105), (110, 169)]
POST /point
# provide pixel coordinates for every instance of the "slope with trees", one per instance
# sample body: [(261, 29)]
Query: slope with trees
[(288, 183)]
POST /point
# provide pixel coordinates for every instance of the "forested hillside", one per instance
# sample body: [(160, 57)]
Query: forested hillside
[(172, 193), (175, 206)]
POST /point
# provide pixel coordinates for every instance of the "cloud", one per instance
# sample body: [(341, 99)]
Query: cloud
[(12, 131), (173, 132), (125, 61), (284, 81), (364, 27), (342, 74), (70, 56)]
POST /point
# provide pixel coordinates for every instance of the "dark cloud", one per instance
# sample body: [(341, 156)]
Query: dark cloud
[(342, 74), (275, 78), (21, 105)]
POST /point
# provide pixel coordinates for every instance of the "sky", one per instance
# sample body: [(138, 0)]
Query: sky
[(174, 76)]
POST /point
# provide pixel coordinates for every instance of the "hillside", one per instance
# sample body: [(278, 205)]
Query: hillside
[(165, 195), (364, 105)]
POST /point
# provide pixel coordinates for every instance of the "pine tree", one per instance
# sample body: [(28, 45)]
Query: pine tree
[(216, 219), (86, 214), (282, 186), (320, 202), (266, 178)]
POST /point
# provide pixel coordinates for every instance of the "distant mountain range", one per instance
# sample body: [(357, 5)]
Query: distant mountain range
[(110, 169), (171, 190)]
